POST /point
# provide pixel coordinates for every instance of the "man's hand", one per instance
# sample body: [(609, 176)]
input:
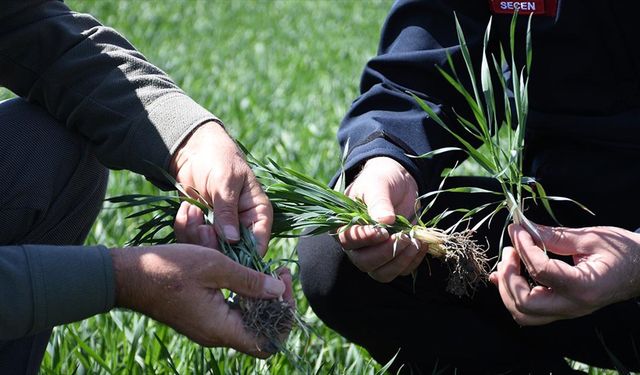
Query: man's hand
[(189, 227), (179, 285), (387, 188), (606, 270), (210, 162)]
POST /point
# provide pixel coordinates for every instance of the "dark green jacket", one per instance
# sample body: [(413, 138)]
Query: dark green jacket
[(94, 82)]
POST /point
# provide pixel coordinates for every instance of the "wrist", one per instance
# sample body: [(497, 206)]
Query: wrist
[(127, 277), (182, 153)]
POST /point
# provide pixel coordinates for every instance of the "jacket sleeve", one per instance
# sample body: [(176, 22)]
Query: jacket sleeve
[(94, 82), (43, 286), (385, 120)]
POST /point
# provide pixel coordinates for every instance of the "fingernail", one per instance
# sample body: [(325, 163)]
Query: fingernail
[(282, 271), (274, 287), (381, 234), (192, 211), (205, 237), (182, 211), (230, 232)]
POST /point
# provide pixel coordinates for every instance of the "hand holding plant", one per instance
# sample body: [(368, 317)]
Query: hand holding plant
[(180, 285), (606, 270), (387, 189), (210, 162)]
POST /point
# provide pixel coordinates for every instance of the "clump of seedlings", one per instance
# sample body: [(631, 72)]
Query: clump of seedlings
[(500, 133), (305, 205), (269, 319)]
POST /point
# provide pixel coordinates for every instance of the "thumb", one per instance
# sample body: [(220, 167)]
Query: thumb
[(561, 241), (247, 282), (379, 204), (225, 208)]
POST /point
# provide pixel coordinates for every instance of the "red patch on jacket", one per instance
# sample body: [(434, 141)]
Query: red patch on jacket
[(535, 7)]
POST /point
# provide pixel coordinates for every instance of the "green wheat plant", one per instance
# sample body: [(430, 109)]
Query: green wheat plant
[(269, 319), (304, 206), (501, 133)]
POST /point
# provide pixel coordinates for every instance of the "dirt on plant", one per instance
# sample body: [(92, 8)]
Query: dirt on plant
[(467, 262), (270, 320)]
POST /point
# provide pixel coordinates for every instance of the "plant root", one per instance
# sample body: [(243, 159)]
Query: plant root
[(465, 258), (467, 262), (271, 320)]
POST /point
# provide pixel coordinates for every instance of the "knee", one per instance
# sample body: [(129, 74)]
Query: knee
[(57, 185), (324, 275)]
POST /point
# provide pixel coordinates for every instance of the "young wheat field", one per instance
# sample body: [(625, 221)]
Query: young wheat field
[(281, 74)]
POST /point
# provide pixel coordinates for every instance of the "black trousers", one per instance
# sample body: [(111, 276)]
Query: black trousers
[(52, 191), (432, 331)]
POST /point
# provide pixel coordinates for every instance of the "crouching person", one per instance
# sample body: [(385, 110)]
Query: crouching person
[(90, 101), (579, 300)]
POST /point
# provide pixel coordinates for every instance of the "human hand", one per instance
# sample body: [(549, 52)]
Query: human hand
[(189, 227), (179, 285), (210, 162), (387, 189), (606, 270)]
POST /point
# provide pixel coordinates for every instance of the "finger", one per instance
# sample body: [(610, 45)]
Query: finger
[(359, 236), (509, 264), (405, 256), (515, 285), (261, 230), (508, 278), (378, 200), (417, 260), (528, 306), (368, 259), (549, 272), (231, 332), (207, 236), (542, 305), (493, 278), (195, 218), (245, 281), (562, 241), (285, 275), (256, 213), (180, 224), (225, 207)]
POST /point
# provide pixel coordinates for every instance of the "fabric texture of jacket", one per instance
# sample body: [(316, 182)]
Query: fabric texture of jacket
[(94, 82), (585, 79)]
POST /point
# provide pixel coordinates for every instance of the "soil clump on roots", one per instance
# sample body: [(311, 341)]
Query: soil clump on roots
[(467, 263), (270, 320)]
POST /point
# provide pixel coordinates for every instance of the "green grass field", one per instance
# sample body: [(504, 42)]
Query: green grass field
[(281, 74)]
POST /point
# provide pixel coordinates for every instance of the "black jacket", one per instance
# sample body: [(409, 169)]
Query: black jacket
[(585, 79)]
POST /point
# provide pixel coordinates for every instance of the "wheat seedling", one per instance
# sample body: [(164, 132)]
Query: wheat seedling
[(305, 205), (269, 319), (503, 160)]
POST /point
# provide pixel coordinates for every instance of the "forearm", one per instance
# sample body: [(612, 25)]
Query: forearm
[(386, 120), (93, 81), (43, 286)]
